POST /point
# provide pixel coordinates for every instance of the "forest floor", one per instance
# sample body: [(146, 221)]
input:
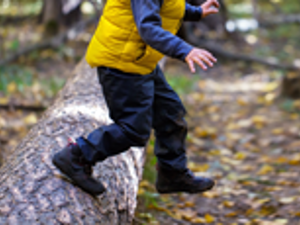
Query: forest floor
[(247, 139), (240, 133)]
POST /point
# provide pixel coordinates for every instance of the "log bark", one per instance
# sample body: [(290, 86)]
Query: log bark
[(33, 191)]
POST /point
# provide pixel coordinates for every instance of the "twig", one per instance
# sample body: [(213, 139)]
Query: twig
[(22, 107), (15, 19), (138, 221)]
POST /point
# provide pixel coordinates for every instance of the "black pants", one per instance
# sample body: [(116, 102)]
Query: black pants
[(138, 103)]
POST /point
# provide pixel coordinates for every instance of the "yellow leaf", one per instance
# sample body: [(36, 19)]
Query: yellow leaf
[(189, 204), (265, 170), (277, 131), (145, 183), (206, 132), (198, 220), (4, 100), (30, 119), (271, 86), (231, 214), (228, 204), (259, 121), (296, 103), (198, 96), (240, 156), (188, 214), (141, 191), (210, 194), (269, 98), (295, 161), (294, 116), (12, 87), (209, 218), (297, 213), (242, 102), (232, 126), (213, 109), (198, 167), (266, 210), (281, 160)]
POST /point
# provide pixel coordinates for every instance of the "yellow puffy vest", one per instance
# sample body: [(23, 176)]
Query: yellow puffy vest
[(117, 43)]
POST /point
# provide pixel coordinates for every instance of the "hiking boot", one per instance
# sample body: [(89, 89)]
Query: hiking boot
[(171, 181), (70, 161)]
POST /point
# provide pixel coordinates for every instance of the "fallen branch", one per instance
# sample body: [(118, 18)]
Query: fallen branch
[(219, 51), (54, 42), (35, 108), (279, 20), (16, 19)]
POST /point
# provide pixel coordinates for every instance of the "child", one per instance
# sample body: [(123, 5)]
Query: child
[(132, 36)]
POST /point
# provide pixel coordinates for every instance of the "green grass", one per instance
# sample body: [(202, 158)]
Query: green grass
[(52, 85), (22, 76), (182, 84)]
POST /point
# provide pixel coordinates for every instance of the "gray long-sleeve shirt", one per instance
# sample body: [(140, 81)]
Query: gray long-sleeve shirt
[(148, 21)]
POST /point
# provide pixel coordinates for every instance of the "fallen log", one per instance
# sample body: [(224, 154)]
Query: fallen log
[(33, 191)]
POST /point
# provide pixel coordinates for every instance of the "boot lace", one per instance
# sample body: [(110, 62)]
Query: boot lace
[(189, 173)]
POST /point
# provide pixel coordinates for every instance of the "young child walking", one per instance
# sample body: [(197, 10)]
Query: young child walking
[(132, 36)]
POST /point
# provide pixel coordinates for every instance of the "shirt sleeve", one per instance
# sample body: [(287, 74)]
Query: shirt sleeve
[(192, 13), (148, 22)]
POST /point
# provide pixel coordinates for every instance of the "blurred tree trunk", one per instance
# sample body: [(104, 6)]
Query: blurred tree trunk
[(215, 23), (32, 191), (290, 86), (57, 14)]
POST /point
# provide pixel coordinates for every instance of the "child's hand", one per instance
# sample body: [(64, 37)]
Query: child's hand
[(201, 57), (210, 7)]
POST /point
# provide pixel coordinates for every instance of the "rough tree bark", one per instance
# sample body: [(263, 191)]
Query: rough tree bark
[(33, 191)]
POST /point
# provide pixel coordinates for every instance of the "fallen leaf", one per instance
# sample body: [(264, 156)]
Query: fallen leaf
[(198, 167), (30, 119), (228, 204), (288, 200), (11, 87), (4, 100), (209, 218), (277, 131), (265, 170)]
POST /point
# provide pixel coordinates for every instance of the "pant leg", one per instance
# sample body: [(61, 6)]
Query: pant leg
[(129, 98), (169, 124)]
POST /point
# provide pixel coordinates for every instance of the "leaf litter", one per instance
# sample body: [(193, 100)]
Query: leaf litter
[(240, 136)]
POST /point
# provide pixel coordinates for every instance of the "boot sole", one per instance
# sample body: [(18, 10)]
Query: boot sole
[(61, 165)]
